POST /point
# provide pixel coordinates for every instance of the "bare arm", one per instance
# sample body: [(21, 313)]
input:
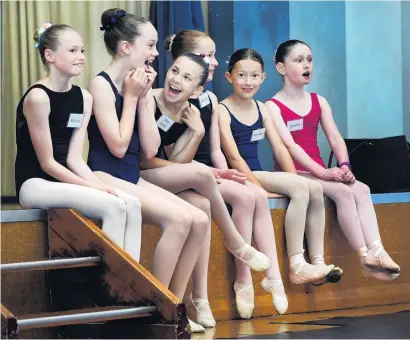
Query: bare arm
[(116, 133), (229, 146), (294, 149), (75, 161), (150, 139), (186, 146), (217, 156), (332, 133), (278, 147), (37, 109)]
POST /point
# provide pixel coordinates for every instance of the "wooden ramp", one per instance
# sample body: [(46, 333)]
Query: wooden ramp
[(93, 282)]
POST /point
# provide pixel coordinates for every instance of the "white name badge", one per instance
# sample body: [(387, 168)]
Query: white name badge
[(203, 100), (258, 134), (75, 120), (295, 125), (165, 123)]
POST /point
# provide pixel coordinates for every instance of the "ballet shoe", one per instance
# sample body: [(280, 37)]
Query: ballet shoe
[(381, 260), (194, 327), (334, 275), (381, 275), (257, 262), (244, 308), (306, 273), (279, 301), (203, 313)]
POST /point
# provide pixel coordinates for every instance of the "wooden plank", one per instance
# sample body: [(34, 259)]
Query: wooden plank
[(8, 323), (126, 280)]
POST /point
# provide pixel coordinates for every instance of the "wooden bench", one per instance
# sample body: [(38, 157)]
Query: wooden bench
[(354, 290), (24, 238)]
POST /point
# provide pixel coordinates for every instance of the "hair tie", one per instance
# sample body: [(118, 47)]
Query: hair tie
[(40, 31), (171, 40), (114, 20)]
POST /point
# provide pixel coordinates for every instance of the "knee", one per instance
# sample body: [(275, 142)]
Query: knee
[(27, 190), (180, 221), (344, 192), (361, 189), (203, 173), (244, 200), (301, 192), (200, 224), (133, 204), (315, 190), (117, 208)]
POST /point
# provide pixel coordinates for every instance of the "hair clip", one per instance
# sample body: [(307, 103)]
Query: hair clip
[(114, 20), (171, 40), (40, 31)]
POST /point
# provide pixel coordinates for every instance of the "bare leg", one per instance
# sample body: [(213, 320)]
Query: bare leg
[(296, 188), (198, 300), (181, 177), (176, 226)]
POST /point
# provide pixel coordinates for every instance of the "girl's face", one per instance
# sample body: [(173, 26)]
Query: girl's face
[(69, 56), (182, 80), (246, 77), (298, 65), (144, 47), (206, 46)]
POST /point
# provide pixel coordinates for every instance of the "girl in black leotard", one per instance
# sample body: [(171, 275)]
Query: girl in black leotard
[(52, 119)]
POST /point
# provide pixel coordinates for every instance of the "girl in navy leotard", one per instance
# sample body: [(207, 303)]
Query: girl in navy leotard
[(181, 126), (355, 210), (123, 126), (52, 119), (243, 123)]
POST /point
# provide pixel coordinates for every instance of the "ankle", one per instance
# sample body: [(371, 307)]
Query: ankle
[(362, 252), (318, 259), (296, 260)]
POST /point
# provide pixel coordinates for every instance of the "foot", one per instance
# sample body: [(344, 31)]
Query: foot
[(304, 272), (378, 258), (381, 275), (279, 299), (194, 327), (334, 275), (202, 310), (251, 257), (244, 297)]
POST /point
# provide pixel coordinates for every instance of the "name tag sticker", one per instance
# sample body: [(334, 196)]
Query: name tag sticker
[(165, 123), (203, 100), (258, 134), (295, 125), (75, 120)]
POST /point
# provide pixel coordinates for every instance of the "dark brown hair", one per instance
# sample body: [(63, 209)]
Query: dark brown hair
[(119, 25)]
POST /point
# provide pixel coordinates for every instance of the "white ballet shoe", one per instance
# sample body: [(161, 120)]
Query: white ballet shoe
[(257, 262), (280, 301), (381, 260), (194, 327), (334, 274), (306, 273), (378, 274), (244, 308), (202, 310)]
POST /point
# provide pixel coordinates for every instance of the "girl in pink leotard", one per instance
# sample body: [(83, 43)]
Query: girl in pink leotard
[(297, 114)]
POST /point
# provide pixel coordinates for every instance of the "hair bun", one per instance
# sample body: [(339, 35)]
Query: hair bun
[(39, 32)]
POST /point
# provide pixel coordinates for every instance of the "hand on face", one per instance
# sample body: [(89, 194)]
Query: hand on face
[(151, 75), (135, 82), (192, 117)]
